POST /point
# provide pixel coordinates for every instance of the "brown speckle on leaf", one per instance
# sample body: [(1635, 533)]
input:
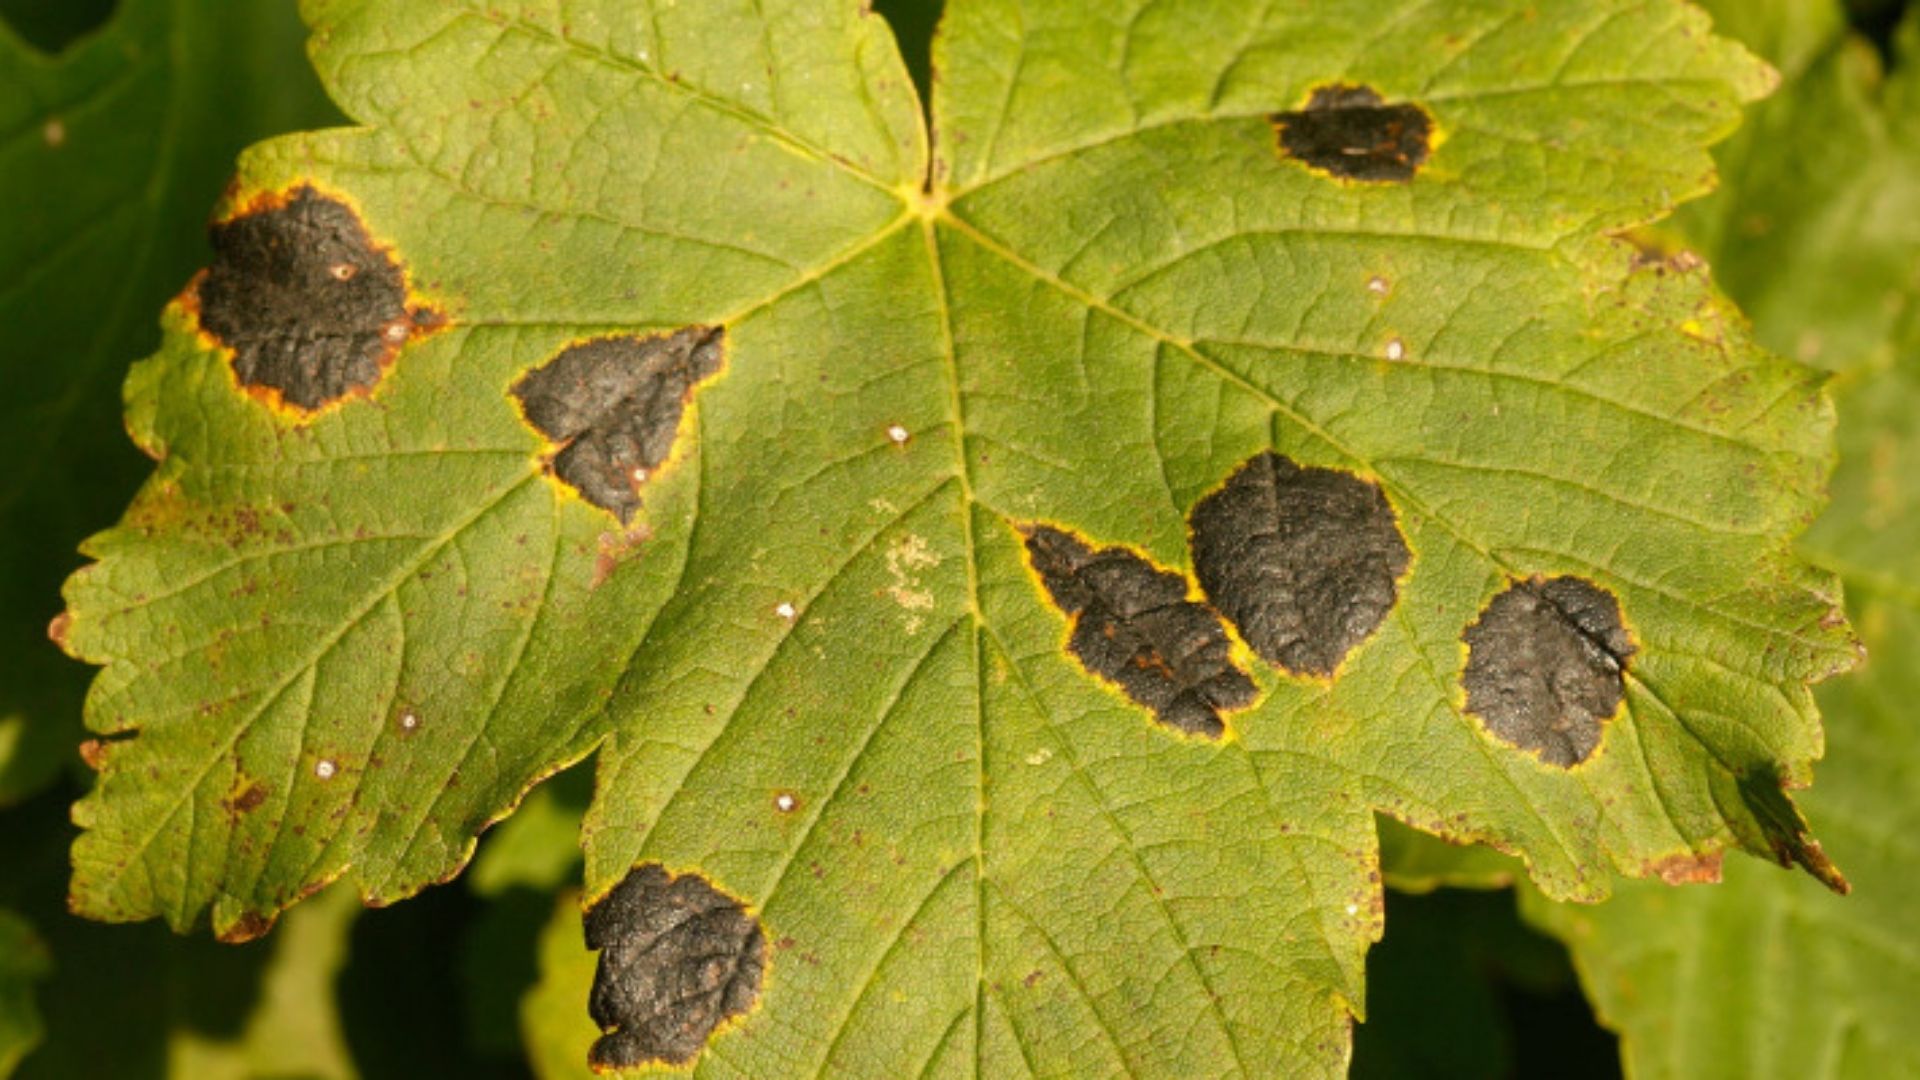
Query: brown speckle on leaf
[(1688, 869), (250, 926), (94, 753), (249, 797), (57, 629)]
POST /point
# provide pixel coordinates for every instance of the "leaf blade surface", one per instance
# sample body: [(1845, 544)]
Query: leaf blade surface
[(819, 668)]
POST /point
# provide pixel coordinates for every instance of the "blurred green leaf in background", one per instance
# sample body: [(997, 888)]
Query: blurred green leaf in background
[(112, 152)]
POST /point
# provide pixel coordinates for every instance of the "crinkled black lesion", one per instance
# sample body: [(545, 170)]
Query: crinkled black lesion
[(678, 957), (1304, 561), (1546, 664), (1134, 626), (1351, 132), (615, 404), (309, 305), (1784, 828)]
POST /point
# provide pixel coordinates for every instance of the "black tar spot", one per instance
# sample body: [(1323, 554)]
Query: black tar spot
[(1133, 625), (1544, 666), (1350, 132), (677, 957), (1785, 828), (1303, 561), (616, 404), (308, 305)]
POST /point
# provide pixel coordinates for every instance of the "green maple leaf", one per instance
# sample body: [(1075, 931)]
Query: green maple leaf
[(1829, 262), (635, 379)]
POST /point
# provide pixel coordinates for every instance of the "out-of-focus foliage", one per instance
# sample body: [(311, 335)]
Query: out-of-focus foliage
[(111, 153), (1460, 988), (23, 963), (140, 1002)]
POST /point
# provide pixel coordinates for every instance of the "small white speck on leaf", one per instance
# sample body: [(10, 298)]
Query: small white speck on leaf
[(1353, 909), (639, 474), (1377, 285), (395, 332), (1040, 756), (785, 611), (409, 720), (342, 271), (898, 434), (785, 803), (1396, 349), (324, 769)]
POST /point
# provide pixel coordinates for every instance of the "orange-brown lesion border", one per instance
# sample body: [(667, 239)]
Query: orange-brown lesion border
[(426, 315)]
